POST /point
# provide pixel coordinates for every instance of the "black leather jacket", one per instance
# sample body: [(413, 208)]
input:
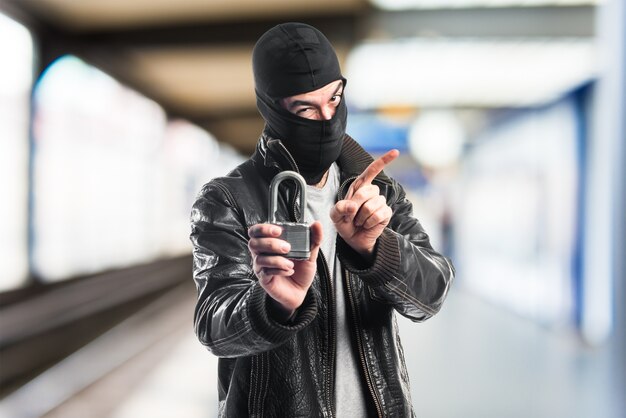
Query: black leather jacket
[(275, 370)]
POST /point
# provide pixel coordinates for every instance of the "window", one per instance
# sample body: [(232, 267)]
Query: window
[(114, 181)]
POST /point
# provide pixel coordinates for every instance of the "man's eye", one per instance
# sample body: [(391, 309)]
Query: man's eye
[(303, 111), (336, 98)]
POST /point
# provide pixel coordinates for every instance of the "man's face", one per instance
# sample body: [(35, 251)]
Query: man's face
[(320, 104)]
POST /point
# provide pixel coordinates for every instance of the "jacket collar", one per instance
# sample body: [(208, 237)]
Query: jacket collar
[(352, 161)]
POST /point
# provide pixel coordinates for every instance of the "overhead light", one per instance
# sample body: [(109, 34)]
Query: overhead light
[(461, 4), (467, 72), (436, 139)]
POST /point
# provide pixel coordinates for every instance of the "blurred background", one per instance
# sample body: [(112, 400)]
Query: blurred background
[(510, 116)]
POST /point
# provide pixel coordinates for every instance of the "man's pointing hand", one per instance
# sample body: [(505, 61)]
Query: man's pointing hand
[(362, 216)]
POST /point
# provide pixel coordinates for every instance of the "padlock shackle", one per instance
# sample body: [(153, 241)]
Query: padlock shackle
[(284, 175)]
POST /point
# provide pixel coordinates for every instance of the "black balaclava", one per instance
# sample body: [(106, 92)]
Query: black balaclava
[(291, 59)]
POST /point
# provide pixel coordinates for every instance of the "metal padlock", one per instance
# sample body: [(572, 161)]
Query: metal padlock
[(295, 233)]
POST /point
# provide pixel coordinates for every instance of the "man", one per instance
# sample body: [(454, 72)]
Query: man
[(316, 337)]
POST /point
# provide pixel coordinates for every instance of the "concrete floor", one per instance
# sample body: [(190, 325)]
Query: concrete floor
[(471, 360)]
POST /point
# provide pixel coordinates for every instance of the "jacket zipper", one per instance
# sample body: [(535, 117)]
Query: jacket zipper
[(343, 185), (368, 376), (330, 377)]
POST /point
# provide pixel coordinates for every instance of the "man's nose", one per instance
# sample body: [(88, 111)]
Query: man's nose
[(327, 112)]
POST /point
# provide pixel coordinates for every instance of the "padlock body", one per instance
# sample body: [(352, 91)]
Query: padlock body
[(298, 235)]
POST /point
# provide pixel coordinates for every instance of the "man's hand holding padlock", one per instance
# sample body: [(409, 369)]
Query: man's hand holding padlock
[(286, 281), (363, 214)]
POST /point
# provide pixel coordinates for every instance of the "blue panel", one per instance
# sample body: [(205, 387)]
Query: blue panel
[(377, 134)]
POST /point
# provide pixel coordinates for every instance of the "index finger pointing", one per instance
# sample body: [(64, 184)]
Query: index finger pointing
[(372, 170)]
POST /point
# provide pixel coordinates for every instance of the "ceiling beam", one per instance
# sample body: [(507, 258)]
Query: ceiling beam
[(339, 26)]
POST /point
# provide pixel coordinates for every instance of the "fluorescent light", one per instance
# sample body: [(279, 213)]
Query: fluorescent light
[(459, 4), (467, 72)]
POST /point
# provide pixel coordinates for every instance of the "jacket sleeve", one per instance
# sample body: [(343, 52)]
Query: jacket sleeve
[(231, 317), (406, 272)]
